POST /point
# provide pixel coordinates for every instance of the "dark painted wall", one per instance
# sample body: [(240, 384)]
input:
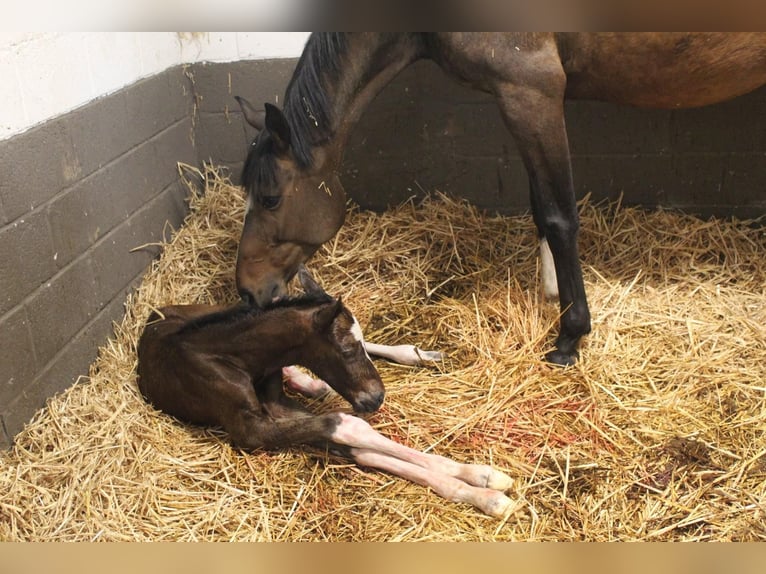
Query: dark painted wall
[(79, 192)]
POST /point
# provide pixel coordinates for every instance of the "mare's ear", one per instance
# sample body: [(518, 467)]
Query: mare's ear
[(276, 123), (252, 116), (325, 315), (310, 286)]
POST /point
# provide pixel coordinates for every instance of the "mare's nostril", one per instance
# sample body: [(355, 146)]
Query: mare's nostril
[(247, 297), (276, 292)]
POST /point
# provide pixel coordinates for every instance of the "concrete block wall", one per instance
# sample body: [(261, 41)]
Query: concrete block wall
[(78, 193), (88, 155)]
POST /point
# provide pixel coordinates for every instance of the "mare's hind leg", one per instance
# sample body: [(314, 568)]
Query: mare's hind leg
[(535, 117)]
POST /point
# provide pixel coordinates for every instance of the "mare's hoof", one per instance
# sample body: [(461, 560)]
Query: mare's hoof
[(562, 359)]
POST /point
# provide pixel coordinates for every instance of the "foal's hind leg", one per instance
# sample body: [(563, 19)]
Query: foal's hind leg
[(535, 116)]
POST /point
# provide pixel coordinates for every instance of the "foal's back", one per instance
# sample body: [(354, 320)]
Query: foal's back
[(180, 375)]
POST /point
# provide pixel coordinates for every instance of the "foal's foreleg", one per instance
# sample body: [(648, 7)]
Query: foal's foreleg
[(492, 502), (479, 485), (357, 433)]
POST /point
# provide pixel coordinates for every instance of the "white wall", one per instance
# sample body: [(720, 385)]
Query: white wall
[(43, 75)]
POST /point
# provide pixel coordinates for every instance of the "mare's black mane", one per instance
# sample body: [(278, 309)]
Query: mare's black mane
[(307, 108), (307, 105)]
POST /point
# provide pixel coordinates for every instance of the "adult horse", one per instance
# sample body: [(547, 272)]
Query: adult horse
[(296, 201)]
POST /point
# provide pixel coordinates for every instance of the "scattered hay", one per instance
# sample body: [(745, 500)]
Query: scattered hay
[(656, 434)]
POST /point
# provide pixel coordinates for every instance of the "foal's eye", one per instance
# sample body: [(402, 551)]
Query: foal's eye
[(270, 201), (348, 353)]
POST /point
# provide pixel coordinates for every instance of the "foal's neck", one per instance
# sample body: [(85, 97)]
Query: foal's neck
[(368, 62), (260, 342)]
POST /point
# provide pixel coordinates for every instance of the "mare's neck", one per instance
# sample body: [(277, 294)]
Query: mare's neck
[(368, 62)]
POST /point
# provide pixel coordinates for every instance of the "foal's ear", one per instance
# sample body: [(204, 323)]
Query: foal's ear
[(325, 315), (252, 116), (310, 286), (276, 123)]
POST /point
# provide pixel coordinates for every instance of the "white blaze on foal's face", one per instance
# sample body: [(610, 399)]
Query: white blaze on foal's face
[(356, 331)]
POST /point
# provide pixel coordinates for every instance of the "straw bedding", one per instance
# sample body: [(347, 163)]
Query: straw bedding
[(656, 434)]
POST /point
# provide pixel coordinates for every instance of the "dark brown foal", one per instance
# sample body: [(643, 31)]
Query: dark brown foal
[(224, 366)]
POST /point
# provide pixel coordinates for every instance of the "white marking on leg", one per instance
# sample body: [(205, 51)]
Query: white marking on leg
[(300, 382), (491, 502), (548, 270), (403, 354), (356, 432)]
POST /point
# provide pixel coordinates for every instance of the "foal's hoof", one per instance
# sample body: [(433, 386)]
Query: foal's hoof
[(499, 480), (499, 506), (562, 359), (429, 356)]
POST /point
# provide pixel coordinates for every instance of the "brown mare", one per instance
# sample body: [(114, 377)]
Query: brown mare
[(296, 201), (224, 366)]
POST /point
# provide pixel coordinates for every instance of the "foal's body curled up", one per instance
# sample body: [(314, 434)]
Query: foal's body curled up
[(224, 366)]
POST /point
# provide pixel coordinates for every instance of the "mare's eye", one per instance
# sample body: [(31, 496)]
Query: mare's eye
[(270, 201)]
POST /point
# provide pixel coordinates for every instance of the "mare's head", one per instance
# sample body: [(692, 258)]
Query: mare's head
[(336, 351), (295, 202)]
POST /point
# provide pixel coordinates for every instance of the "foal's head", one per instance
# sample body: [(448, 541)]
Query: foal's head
[(336, 353), (295, 202)]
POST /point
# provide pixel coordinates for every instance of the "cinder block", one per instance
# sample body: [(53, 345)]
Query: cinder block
[(18, 362), (173, 145), (220, 138), (26, 258), (36, 165), (98, 131), (259, 81), (75, 358), (732, 126), (744, 184), (84, 213), (114, 261), (152, 105), (600, 128), (61, 307)]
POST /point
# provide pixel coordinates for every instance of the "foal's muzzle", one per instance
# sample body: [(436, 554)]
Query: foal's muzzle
[(369, 402)]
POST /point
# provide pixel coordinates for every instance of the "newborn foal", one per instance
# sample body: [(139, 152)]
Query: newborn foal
[(223, 366)]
